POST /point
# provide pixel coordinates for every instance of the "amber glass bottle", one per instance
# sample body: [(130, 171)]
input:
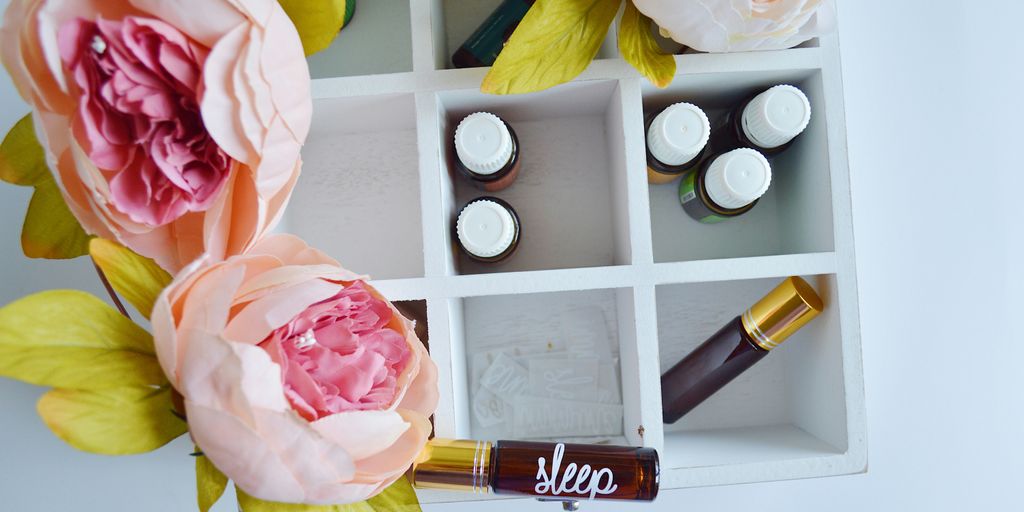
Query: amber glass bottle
[(725, 186), (767, 122), (549, 470), (488, 230), (486, 151), (736, 347), (676, 139)]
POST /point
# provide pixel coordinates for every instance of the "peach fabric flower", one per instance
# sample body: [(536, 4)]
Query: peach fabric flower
[(740, 25), (300, 382), (172, 126)]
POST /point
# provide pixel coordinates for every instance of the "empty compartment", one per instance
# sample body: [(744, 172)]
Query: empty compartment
[(455, 21), (570, 194), (794, 216), (544, 366), (790, 405), (377, 40), (359, 196)]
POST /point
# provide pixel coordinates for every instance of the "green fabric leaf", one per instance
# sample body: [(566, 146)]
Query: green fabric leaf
[(50, 230), (21, 157), (70, 339), (136, 278), (318, 21), (210, 483), (116, 421), (638, 46), (399, 497), (553, 44)]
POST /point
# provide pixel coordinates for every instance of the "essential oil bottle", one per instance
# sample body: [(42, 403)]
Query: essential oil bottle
[(550, 470), (767, 122), (676, 139), (488, 230), (726, 186), (736, 347), (483, 47), (486, 151)]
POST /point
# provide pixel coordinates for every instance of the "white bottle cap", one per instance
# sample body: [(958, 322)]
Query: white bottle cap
[(485, 228), (776, 116), (483, 143), (738, 178), (678, 134)]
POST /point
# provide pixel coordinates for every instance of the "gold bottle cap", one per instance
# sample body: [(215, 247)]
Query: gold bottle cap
[(782, 312), (453, 465)]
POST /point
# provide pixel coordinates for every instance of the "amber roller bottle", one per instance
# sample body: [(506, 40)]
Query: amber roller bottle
[(546, 470), (736, 347)]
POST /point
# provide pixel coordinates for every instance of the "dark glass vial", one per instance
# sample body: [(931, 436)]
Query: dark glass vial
[(744, 341), (488, 230), (677, 137), (482, 48), (768, 122), (549, 470), (485, 150), (726, 185)]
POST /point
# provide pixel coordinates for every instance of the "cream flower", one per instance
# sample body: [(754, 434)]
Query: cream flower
[(740, 25)]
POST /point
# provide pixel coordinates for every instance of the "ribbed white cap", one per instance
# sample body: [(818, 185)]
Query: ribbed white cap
[(776, 116), (483, 143), (485, 228), (738, 178), (678, 134)]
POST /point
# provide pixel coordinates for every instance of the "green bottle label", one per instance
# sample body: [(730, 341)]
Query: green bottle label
[(486, 43), (692, 204)]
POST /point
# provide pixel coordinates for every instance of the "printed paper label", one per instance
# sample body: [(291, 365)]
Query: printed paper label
[(574, 380), (506, 378), (544, 417)]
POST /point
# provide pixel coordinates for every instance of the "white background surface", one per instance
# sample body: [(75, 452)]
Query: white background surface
[(934, 111)]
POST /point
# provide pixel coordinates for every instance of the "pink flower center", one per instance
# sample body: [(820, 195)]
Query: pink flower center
[(340, 355), (138, 116)]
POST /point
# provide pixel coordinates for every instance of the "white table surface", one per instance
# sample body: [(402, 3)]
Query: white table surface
[(934, 109)]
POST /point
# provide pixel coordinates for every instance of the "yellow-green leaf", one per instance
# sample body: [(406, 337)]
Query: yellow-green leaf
[(136, 278), (553, 44), (318, 21), (50, 230), (21, 157), (210, 483), (116, 421), (638, 46), (70, 339), (399, 497)]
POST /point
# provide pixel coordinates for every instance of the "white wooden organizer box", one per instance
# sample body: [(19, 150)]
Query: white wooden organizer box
[(377, 194)]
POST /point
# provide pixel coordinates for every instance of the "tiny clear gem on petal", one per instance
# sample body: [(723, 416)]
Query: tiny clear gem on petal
[(98, 45), (306, 340)]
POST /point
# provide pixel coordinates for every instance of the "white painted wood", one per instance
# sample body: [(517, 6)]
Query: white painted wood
[(360, 186), (595, 234), (377, 40)]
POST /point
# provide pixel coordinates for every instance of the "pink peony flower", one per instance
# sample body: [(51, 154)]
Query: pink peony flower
[(172, 126), (340, 355), (139, 116), (300, 382)]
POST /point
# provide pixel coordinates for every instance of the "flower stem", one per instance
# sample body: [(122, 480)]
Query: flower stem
[(110, 290)]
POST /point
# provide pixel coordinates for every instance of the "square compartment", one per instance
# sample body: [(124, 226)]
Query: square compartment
[(570, 194), (377, 40), (545, 321), (456, 20), (360, 186), (794, 216), (790, 405)]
